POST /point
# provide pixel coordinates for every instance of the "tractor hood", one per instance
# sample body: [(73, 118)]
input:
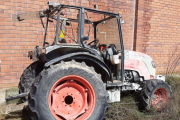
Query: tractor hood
[(140, 62)]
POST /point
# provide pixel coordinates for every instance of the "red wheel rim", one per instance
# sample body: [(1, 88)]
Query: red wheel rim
[(72, 97), (159, 99)]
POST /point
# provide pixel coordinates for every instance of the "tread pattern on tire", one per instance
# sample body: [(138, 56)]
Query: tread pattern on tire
[(147, 91), (27, 78), (64, 66)]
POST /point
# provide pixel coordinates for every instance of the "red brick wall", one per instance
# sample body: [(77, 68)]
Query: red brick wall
[(157, 34), (110, 35), (16, 39), (158, 30)]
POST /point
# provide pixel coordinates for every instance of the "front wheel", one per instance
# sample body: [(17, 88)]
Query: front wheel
[(68, 91), (155, 93)]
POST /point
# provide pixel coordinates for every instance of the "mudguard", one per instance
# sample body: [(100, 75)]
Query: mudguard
[(99, 66)]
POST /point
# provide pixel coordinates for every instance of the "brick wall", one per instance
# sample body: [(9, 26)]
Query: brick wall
[(158, 31), (110, 35), (17, 38)]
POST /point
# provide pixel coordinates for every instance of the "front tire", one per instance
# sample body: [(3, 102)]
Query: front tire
[(155, 94), (68, 90)]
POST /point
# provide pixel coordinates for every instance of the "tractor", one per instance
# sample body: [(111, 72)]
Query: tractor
[(85, 66)]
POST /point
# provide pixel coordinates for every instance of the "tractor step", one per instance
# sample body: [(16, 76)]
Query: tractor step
[(16, 96), (114, 83)]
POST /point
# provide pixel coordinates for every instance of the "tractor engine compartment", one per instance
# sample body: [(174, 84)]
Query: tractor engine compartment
[(131, 76)]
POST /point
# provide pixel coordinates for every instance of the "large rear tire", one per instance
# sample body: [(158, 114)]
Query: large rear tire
[(68, 90), (28, 77), (155, 94)]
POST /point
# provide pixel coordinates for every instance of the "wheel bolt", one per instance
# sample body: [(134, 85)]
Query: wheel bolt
[(54, 110), (71, 80), (86, 108), (86, 89)]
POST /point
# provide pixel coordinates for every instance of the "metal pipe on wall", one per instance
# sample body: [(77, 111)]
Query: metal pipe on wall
[(135, 25)]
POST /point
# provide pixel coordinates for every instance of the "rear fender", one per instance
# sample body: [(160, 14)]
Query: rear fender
[(89, 59)]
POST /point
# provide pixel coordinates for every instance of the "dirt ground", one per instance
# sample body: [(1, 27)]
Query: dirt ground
[(127, 109)]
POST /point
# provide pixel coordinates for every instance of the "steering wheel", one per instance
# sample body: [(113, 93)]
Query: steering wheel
[(95, 43)]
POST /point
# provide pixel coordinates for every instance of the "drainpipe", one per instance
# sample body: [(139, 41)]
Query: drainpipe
[(135, 25)]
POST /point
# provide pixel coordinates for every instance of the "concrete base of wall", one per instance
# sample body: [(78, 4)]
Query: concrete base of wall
[(2, 95), (5, 92)]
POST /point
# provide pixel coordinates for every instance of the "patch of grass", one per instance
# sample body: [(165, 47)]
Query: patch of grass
[(120, 111), (128, 108)]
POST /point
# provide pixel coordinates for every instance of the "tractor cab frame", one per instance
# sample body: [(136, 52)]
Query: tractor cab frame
[(88, 51)]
